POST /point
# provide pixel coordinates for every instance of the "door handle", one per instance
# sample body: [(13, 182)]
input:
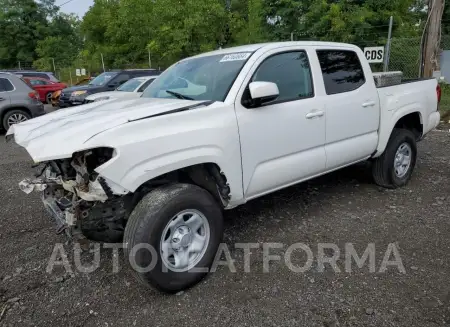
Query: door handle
[(314, 114), (368, 104), (1, 99)]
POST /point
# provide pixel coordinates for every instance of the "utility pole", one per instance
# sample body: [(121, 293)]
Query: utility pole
[(149, 59), (388, 46), (103, 63), (54, 69), (19, 66), (292, 36), (432, 38)]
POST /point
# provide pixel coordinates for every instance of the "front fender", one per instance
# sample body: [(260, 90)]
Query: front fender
[(149, 148)]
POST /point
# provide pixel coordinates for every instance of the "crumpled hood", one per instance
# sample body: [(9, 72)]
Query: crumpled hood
[(59, 134)]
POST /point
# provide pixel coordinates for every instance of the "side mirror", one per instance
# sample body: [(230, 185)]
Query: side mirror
[(263, 92)]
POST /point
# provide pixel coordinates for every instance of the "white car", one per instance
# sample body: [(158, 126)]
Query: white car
[(213, 132), (132, 88)]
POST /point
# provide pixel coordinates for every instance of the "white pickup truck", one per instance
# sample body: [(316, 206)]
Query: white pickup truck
[(213, 132)]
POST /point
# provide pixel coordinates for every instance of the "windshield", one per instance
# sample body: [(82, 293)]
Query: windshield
[(131, 85), (103, 78), (204, 78)]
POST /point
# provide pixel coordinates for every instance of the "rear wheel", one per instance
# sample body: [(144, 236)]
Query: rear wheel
[(14, 117), (48, 97), (394, 167), (173, 231)]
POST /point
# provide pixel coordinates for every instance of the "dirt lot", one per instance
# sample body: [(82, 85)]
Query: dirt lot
[(340, 208)]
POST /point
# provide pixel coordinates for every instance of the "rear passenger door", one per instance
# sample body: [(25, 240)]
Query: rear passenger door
[(352, 107)]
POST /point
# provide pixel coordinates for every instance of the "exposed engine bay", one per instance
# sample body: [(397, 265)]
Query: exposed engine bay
[(82, 203), (80, 200)]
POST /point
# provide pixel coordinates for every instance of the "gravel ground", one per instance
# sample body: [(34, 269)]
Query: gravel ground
[(338, 208)]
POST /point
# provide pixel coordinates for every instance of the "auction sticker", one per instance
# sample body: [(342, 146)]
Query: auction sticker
[(236, 56)]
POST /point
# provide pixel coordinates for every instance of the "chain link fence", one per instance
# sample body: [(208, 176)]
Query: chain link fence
[(405, 56)]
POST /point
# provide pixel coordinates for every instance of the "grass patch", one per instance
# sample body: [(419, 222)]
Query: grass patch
[(445, 102)]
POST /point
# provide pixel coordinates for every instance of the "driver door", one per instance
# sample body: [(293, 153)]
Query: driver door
[(283, 141)]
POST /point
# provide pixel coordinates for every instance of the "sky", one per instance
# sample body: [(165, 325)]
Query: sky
[(78, 7)]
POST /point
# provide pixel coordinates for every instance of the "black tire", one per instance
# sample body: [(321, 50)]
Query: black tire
[(383, 167), (48, 97), (148, 221), (11, 113)]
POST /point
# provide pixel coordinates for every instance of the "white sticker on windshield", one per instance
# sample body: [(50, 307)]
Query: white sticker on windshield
[(236, 56)]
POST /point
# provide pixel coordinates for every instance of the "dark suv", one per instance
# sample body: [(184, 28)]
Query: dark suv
[(107, 81), (18, 101)]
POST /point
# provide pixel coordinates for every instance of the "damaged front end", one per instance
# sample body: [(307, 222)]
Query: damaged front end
[(78, 198)]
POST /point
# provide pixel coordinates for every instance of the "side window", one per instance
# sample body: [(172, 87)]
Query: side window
[(291, 72), (5, 85), (37, 82), (341, 70), (122, 78), (40, 75), (144, 86)]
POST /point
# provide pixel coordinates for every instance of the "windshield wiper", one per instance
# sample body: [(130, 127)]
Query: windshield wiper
[(179, 95)]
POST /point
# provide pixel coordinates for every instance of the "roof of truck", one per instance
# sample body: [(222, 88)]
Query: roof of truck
[(273, 45)]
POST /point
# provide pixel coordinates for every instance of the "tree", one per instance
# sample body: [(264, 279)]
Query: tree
[(62, 45), (186, 29), (22, 24), (364, 22)]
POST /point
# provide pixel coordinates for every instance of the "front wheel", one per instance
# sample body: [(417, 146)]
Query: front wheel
[(395, 166), (172, 236)]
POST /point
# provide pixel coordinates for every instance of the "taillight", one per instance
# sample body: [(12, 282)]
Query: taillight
[(438, 93), (34, 95)]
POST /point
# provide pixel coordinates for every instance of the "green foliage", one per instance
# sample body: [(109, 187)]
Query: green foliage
[(35, 32), (62, 45), (361, 22), (126, 31), (22, 24)]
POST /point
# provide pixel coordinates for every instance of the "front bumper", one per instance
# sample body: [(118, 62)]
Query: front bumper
[(65, 102)]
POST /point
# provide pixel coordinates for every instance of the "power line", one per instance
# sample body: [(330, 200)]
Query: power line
[(64, 3)]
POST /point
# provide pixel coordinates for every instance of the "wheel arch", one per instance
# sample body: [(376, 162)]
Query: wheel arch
[(411, 120), (207, 175)]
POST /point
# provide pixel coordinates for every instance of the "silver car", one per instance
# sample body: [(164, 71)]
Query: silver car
[(18, 102)]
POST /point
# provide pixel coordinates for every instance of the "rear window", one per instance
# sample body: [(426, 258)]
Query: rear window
[(40, 75), (5, 85), (342, 71)]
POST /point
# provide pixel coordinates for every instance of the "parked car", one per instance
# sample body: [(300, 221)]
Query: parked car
[(18, 101), (44, 87), (213, 132), (130, 89), (57, 94), (104, 82), (29, 73)]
